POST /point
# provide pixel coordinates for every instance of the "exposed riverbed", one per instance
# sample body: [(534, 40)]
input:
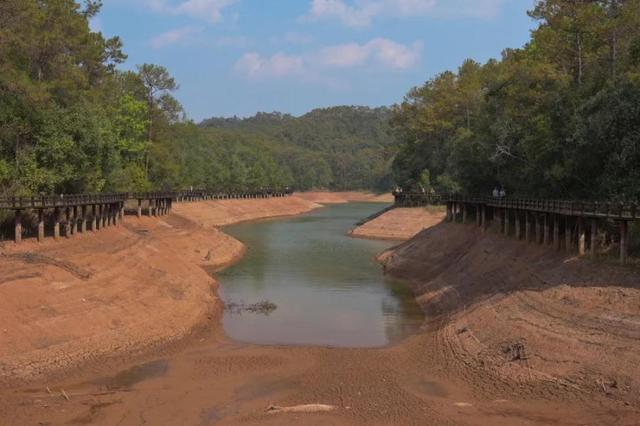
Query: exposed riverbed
[(328, 288)]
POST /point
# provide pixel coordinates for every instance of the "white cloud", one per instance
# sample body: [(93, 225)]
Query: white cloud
[(360, 13), (254, 65), (208, 10), (378, 53), (175, 36), (384, 52)]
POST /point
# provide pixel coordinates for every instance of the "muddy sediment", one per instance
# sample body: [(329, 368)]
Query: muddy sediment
[(514, 335)]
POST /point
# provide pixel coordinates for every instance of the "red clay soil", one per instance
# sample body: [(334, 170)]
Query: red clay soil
[(399, 224), (124, 290), (321, 197), (510, 317), (514, 335)]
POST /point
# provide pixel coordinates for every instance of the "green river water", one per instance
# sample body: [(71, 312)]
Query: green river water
[(328, 288)]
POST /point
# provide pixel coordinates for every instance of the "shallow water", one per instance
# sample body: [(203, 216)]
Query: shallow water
[(328, 288)]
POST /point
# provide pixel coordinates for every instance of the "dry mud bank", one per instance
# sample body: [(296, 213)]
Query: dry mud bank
[(509, 317), (321, 197), (123, 291), (399, 223), (481, 294)]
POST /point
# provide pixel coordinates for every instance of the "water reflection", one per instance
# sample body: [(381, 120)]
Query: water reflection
[(328, 288)]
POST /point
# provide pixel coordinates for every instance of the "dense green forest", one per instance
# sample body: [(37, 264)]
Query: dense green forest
[(338, 148), (72, 121), (559, 117)]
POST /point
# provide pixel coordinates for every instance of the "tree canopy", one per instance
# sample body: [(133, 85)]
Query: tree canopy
[(336, 148), (559, 117)]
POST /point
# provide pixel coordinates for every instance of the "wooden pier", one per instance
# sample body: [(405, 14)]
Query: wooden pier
[(569, 225), (81, 213)]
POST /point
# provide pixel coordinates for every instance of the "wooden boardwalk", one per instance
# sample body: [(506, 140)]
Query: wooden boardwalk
[(572, 225), (80, 213)]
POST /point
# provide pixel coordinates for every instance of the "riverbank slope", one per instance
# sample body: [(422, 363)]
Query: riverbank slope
[(513, 317), (323, 197), (399, 223), (120, 292), (466, 367)]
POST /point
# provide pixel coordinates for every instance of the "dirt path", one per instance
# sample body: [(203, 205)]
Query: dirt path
[(482, 296)]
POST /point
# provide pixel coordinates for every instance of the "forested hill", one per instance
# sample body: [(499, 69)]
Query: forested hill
[(73, 120), (344, 147)]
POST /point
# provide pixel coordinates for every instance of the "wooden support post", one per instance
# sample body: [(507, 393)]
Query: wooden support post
[(18, 226), (74, 220), (593, 244), (464, 213), (538, 225), (83, 219), (139, 208), (582, 237), (121, 210), (506, 222), (556, 232), (478, 216), (40, 225), (449, 213), (67, 223), (105, 215), (115, 213), (56, 223), (518, 229), (527, 226), (547, 229), (94, 218), (484, 218), (624, 241), (568, 234)]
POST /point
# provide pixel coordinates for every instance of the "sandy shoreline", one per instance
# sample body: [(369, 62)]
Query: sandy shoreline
[(322, 197), (513, 335), (399, 223)]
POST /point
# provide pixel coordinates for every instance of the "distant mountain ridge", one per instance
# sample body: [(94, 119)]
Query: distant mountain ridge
[(342, 147)]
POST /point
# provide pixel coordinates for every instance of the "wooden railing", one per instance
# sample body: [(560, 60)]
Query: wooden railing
[(593, 209), (64, 200)]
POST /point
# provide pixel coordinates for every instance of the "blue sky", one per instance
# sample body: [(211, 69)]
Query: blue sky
[(238, 57)]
